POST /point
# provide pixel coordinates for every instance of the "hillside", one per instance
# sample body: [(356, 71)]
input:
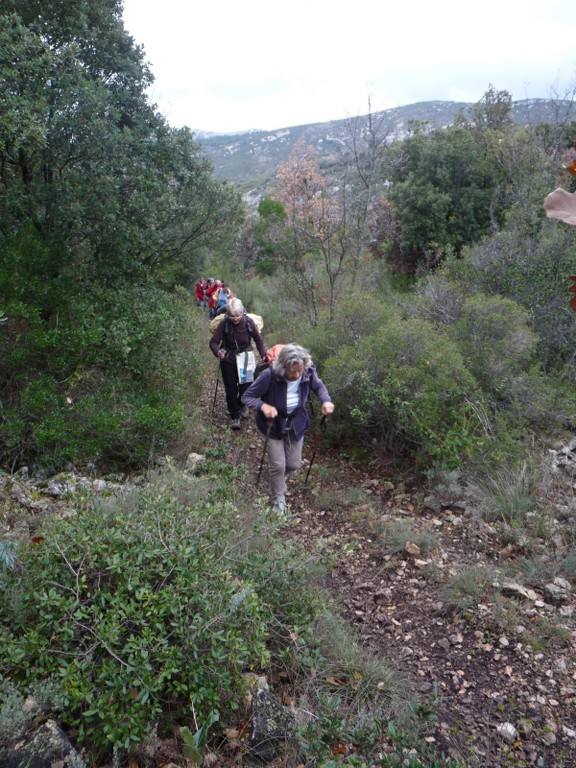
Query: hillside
[(249, 160), (476, 616)]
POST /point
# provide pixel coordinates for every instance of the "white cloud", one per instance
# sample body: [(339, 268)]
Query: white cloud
[(232, 66)]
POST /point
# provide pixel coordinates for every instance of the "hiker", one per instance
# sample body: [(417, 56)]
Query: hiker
[(199, 287), (234, 335), (210, 291), (207, 287), (279, 396), (220, 298)]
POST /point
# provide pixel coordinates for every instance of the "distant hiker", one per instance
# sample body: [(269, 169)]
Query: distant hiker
[(208, 283), (231, 342), (199, 286), (220, 297), (279, 396), (210, 291)]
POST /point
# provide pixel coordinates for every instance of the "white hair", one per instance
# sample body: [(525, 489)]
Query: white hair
[(289, 355), (234, 307)]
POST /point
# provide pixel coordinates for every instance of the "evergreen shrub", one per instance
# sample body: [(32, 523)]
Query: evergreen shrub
[(148, 607), (93, 373), (529, 262), (408, 387), (494, 337)]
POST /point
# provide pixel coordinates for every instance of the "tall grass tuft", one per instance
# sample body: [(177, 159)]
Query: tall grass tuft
[(507, 494)]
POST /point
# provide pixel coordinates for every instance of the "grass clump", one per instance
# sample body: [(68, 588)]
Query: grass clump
[(467, 587), (537, 571), (506, 495), (340, 499), (395, 534)]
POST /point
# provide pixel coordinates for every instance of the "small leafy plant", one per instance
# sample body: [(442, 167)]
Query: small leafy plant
[(7, 556), (195, 743)]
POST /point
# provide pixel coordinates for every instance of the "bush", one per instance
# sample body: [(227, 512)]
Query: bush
[(409, 388), (494, 337), (354, 320), (148, 604), (107, 379), (529, 262)]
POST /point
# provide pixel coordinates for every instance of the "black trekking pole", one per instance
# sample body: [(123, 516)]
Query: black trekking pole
[(323, 430), (216, 389), (270, 422)]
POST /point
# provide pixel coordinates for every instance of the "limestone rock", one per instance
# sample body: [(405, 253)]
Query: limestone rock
[(48, 746), (272, 725)]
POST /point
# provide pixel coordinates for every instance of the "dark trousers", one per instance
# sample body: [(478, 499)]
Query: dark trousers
[(233, 389)]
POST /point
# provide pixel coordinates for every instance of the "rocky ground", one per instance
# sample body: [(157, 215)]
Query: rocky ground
[(430, 584)]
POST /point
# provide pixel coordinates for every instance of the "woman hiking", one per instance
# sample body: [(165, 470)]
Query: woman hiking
[(279, 397), (233, 336)]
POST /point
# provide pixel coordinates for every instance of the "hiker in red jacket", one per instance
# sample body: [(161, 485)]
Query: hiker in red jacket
[(210, 291), (199, 286), (230, 343)]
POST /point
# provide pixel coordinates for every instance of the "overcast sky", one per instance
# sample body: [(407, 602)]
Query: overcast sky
[(232, 65)]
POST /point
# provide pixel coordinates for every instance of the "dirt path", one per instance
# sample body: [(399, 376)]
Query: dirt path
[(501, 668)]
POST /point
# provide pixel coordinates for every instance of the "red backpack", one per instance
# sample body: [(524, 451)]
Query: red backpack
[(267, 361)]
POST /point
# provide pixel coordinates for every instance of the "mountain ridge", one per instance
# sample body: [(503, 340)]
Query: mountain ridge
[(249, 159)]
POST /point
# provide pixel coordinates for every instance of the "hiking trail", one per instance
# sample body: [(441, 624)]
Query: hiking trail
[(391, 547)]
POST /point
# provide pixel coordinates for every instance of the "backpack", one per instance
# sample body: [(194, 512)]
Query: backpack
[(267, 361), (256, 319)]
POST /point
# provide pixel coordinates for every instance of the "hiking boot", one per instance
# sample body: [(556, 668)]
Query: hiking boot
[(244, 412), (279, 504), (235, 424)]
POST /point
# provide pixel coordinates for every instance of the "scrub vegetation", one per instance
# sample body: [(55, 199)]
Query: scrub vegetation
[(421, 274)]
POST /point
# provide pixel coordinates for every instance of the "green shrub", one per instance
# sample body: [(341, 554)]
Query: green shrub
[(495, 339), (409, 387), (147, 604), (529, 261), (108, 379), (110, 421), (356, 318)]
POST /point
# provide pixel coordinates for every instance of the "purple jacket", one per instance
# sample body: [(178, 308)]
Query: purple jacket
[(270, 388)]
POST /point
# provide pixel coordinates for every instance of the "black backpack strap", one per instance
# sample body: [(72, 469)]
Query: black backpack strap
[(249, 325)]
